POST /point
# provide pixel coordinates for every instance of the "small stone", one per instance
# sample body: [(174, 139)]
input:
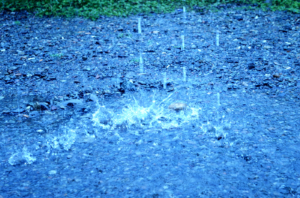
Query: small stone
[(13, 68), (107, 91), (245, 84), (37, 106), (52, 172), (267, 47), (177, 106), (86, 69), (276, 75), (130, 75)]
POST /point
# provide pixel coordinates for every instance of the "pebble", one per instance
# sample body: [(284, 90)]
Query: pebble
[(177, 106)]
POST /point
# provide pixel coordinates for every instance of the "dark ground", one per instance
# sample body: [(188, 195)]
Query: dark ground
[(78, 118)]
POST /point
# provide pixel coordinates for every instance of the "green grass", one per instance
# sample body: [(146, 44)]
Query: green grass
[(17, 22), (92, 9)]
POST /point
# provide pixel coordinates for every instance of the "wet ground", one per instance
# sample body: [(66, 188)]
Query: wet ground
[(81, 116)]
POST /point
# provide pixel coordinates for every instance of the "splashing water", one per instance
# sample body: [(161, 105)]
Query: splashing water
[(136, 115), (137, 112), (20, 157)]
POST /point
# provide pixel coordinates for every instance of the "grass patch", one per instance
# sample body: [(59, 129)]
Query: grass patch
[(92, 9)]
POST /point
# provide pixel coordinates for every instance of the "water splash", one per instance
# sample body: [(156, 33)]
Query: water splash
[(139, 112), (66, 137), (21, 157), (144, 110)]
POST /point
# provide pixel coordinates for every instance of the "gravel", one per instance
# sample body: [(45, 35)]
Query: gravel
[(80, 117)]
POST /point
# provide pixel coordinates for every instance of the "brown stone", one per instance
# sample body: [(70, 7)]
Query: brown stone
[(177, 106)]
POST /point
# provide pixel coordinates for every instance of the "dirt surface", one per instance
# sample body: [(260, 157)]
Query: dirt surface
[(80, 116)]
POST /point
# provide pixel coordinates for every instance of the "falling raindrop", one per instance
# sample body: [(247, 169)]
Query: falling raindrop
[(139, 26), (141, 63), (165, 80), (217, 38), (182, 38)]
